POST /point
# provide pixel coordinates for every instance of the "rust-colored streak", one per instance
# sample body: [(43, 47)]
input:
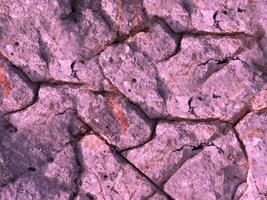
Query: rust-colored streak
[(4, 84), (119, 114)]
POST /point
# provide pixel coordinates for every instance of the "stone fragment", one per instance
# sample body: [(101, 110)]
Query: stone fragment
[(252, 131), (134, 76), (127, 16), (223, 16), (199, 58), (46, 40), (158, 196), (229, 93), (35, 135), (16, 91), (114, 118), (54, 180), (158, 43), (214, 173), (175, 12), (107, 176), (173, 144)]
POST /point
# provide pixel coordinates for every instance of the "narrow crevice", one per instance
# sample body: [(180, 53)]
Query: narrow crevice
[(115, 150), (244, 150), (152, 136), (33, 101), (142, 174)]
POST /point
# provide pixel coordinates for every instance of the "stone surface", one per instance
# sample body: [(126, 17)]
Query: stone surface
[(127, 16), (16, 91), (134, 76), (115, 119), (210, 64), (106, 175), (173, 144), (133, 99), (158, 43), (214, 173), (253, 132)]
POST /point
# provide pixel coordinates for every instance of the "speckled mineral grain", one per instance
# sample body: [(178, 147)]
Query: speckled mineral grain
[(133, 100)]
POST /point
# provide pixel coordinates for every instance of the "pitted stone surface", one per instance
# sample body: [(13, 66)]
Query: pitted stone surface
[(133, 99), (107, 176), (136, 77), (253, 132), (215, 172), (16, 90)]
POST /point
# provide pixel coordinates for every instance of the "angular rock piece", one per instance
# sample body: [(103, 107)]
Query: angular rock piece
[(16, 91), (134, 76), (158, 43), (33, 136), (253, 132), (44, 40), (127, 16), (115, 119), (175, 12), (158, 196), (229, 93), (54, 180), (199, 58), (214, 173), (224, 16), (173, 144), (107, 176)]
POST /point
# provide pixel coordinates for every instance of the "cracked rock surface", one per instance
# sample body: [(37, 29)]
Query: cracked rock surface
[(133, 100)]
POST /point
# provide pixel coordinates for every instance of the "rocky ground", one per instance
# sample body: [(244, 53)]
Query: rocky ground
[(133, 99)]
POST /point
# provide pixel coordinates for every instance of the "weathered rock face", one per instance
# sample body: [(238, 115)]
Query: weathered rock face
[(106, 175), (173, 144), (253, 132), (136, 77), (133, 100)]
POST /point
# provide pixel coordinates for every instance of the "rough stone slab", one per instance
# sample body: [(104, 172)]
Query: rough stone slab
[(45, 41), (158, 196), (158, 43), (172, 11), (33, 136), (205, 16), (127, 16), (114, 118), (253, 132), (134, 76), (16, 92), (173, 144), (228, 94), (54, 180), (214, 173), (107, 176), (185, 73)]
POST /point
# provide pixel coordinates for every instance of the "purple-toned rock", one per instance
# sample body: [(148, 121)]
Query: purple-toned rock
[(229, 93), (16, 92), (252, 131), (214, 173), (44, 39), (134, 76), (114, 118), (107, 176), (127, 16), (174, 12), (158, 43), (209, 65), (173, 144), (53, 180)]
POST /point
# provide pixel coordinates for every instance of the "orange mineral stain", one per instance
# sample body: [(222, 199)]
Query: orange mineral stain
[(4, 84), (119, 114)]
